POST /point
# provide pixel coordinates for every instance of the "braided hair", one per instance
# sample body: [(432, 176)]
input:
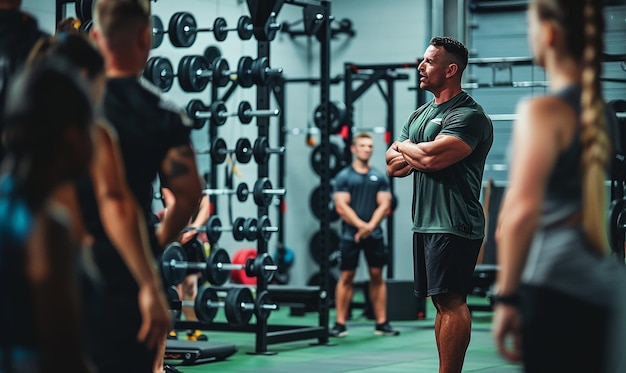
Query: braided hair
[(586, 44)]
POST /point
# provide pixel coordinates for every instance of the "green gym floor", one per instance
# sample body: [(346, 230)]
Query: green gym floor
[(361, 351)]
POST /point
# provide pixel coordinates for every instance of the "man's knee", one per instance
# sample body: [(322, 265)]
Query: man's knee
[(448, 301), (190, 287), (376, 276), (347, 278)]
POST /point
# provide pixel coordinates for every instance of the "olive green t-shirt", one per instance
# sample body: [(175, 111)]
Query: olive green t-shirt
[(448, 200)]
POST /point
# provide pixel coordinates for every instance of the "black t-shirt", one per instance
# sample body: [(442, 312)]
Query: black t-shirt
[(18, 35), (147, 126)]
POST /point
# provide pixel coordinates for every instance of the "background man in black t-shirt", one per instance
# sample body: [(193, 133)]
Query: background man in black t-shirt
[(362, 199), (155, 139)]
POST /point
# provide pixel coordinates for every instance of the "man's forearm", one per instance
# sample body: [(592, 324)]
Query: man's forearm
[(348, 215), (397, 166), (379, 214), (176, 219), (414, 156)]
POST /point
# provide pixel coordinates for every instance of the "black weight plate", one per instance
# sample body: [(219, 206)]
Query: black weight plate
[(243, 109), (157, 31), (212, 53), (244, 28), (337, 115), (159, 71), (259, 67), (85, 9), (260, 149), (235, 306), (314, 204), (173, 299), (221, 73), (206, 304), (315, 247), (148, 70), (242, 192), (194, 249), (215, 275), (244, 73), (194, 107), (261, 262), (269, 29), (219, 29), (182, 29), (261, 299), (250, 229), (238, 225), (184, 75), (260, 198), (264, 234), (213, 230), (218, 150), (198, 66), (335, 157), (173, 253), (617, 209), (218, 111), (243, 150)]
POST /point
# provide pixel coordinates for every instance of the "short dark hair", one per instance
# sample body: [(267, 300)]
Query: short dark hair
[(453, 47)]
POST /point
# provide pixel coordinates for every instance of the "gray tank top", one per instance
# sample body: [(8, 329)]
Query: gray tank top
[(559, 257)]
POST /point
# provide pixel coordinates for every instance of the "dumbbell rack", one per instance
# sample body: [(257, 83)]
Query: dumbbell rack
[(272, 334)]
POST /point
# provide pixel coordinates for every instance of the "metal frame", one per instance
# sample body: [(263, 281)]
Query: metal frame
[(370, 75)]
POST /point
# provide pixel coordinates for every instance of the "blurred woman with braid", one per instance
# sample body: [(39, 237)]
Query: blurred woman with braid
[(560, 296)]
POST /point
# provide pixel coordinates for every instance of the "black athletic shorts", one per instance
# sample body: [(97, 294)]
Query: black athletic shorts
[(443, 263), (561, 333), (114, 319), (374, 249), (113, 336)]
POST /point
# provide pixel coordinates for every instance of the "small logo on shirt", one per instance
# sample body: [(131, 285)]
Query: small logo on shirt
[(373, 178), (437, 121)]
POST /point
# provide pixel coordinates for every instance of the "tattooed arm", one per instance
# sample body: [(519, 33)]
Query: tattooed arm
[(181, 174)]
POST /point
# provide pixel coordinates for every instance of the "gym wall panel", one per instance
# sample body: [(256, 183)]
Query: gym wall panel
[(503, 34)]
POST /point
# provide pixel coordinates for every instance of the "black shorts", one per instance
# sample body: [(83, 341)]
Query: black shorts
[(443, 263), (113, 337), (561, 333), (374, 249)]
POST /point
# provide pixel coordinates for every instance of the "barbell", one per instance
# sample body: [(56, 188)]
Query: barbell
[(216, 268), (238, 304), (219, 151), (262, 151), (183, 29), (220, 30), (262, 192), (213, 229), (261, 229), (217, 113), (196, 71)]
